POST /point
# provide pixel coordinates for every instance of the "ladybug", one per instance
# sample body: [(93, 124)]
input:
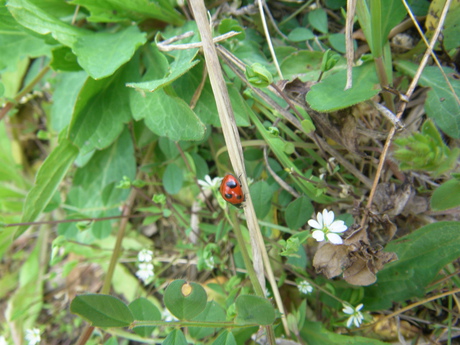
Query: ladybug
[(231, 191)]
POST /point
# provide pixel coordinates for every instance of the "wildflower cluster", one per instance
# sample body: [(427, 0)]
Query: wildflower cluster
[(145, 266)]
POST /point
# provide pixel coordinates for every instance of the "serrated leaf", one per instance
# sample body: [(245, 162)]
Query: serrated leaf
[(254, 310), (102, 310), (446, 196), (144, 310), (329, 95), (421, 255), (185, 300), (102, 53), (47, 180)]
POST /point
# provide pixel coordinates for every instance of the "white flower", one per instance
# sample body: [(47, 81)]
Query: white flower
[(305, 287), (326, 227), (209, 262), (2, 340), (145, 255), (207, 183), (145, 272), (356, 316), (33, 336)]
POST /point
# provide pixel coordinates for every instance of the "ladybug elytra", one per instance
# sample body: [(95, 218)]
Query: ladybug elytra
[(231, 190)]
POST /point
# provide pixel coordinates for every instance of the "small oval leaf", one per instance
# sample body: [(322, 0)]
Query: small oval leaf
[(102, 310), (144, 310), (185, 306), (254, 310)]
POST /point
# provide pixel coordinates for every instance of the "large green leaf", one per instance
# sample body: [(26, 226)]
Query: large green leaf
[(101, 110), (94, 192), (101, 54), (35, 18), (329, 95), (421, 255), (48, 178), (65, 95), (176, 337), (102, 310), (441, 105), (16, 42), (133, 10)]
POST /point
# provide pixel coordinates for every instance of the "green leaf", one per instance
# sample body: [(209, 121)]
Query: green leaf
[(225, 338), (101, 110), (300, 35), (144, 310), (298, 212), (254, 310), (441, 104), (67, 88), (47, 180), (421, 255), (39, 20), (133, 10), (94, 193), (64, 60), (227, 25), (214, 313), (173, 179), (102, 53), (314, 333), (262, 203), (329, 95), (185, 300), (154, 85), (446, 196), (16, 42), (302, 62), (102, 310), (318, 20), (176, 337)]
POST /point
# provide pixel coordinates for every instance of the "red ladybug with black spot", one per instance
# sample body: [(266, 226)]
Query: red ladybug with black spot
[(231, 190)]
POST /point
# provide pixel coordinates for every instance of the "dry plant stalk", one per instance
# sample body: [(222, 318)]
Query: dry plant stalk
[(235, 151)]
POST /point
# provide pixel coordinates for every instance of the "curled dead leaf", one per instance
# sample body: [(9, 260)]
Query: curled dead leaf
[(356, 259)]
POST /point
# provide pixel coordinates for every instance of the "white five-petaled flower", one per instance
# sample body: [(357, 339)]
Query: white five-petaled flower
[(145, 255), (326, 227), (2, 340), (145, 272), (305, 287), (33, 336), (356, 317), (209, 183)]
